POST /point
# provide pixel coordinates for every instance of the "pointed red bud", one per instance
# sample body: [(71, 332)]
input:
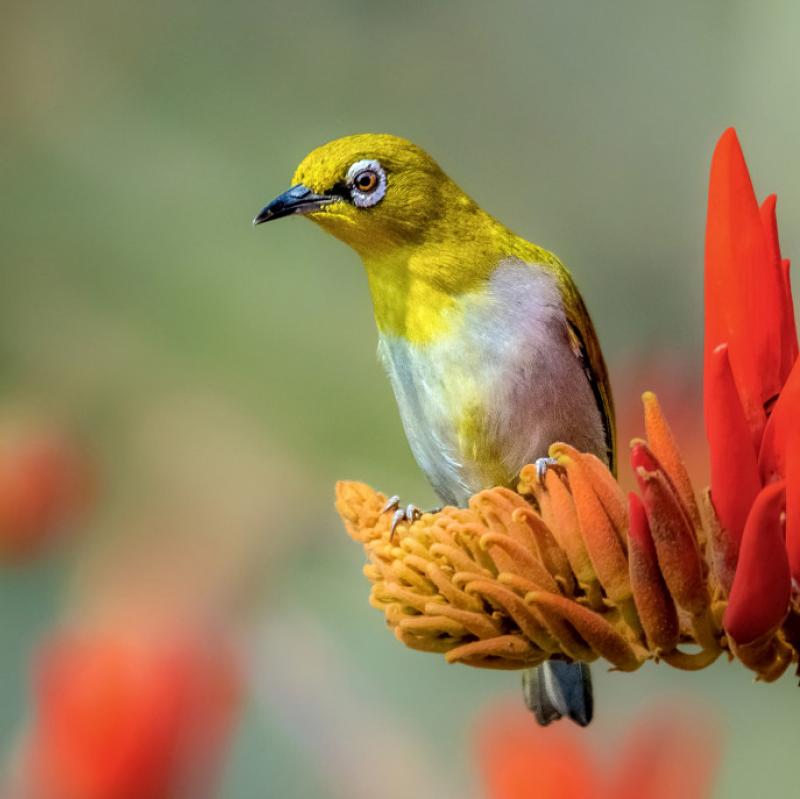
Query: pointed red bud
[(734, 469), (743, 294), (642, 457), (784, 418), (759, 597), (779, 272)]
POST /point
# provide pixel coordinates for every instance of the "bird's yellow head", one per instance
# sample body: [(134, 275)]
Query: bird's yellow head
[(373, 191), (423, 242)]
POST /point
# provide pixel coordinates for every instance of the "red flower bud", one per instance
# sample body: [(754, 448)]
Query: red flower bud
[(784, 418), (675, 541), (642, 457), (759, 597), (743, 284), (786, 324), (734, 469)]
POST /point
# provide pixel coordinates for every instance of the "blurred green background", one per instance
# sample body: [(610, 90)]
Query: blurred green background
[(138, 141)]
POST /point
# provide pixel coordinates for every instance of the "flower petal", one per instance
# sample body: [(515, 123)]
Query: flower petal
[(770, 224), (665, 448), (611, 496), (759, 598), (592, 627), (734, 469), (742, 305), (673, 535), (653, 602), (599, 535), (360, 508), (559, 514), (721, 552), (779, 272), (782, 420)]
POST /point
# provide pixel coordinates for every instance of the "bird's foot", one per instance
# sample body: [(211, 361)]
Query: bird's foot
[(542, 465), (409, 513)]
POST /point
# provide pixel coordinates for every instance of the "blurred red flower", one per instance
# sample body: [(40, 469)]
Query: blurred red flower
[(662, 757), (752, 399), (129, 717), (44, 485)]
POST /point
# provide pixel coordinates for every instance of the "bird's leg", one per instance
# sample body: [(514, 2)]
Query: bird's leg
[(410, 513), (542, 465)]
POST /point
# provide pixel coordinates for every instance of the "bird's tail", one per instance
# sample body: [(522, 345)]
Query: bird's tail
[(558, 688)]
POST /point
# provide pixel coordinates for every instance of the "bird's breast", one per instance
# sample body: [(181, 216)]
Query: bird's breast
[(496, 389)]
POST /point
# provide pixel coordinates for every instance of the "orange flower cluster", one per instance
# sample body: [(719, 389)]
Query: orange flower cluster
[(569, 569), (565, 568)]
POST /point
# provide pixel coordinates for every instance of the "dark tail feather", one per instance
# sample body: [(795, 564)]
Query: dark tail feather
[(556, 689)]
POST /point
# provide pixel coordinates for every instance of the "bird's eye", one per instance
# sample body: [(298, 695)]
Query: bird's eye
[(367, 182)]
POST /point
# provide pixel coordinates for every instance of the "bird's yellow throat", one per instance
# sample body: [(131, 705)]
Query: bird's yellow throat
[(417, 287)]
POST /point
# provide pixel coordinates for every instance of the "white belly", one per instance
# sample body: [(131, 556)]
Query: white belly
[(507, 363)]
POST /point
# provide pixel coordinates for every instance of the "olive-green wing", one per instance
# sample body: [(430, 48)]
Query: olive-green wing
[(587, 349)]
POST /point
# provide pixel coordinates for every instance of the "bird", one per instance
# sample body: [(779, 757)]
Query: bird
[(486, 340)]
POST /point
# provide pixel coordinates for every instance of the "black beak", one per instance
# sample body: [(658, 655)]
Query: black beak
[(297, 200)]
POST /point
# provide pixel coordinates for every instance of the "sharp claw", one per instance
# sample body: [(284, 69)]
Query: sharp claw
[(391, 504), (542, 465), (399, 516), (409, 514)]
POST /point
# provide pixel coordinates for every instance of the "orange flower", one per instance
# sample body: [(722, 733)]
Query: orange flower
[(563, 568), (663, 756), (43, 486), (128, 717), (752, 398)]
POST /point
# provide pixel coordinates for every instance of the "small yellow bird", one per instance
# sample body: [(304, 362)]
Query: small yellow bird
[(486, 340)]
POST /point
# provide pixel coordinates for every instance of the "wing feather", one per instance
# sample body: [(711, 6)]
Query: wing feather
[(587, 350)]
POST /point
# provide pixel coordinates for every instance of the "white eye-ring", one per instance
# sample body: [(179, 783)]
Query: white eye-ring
[(367, 182)]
